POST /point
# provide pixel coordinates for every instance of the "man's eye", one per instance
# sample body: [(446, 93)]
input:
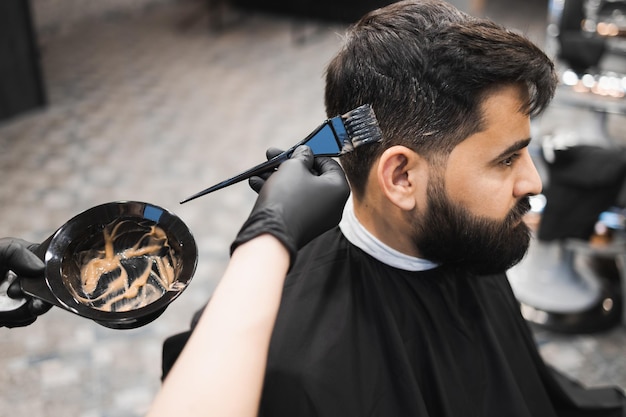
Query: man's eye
[(510, 160)]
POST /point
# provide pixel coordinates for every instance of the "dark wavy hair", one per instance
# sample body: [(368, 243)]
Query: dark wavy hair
[(426, 67)]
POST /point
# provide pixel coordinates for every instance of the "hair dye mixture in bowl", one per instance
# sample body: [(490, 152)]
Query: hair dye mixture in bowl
[(124, 266)]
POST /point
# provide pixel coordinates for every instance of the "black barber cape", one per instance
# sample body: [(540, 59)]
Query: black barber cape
[(356, 337)]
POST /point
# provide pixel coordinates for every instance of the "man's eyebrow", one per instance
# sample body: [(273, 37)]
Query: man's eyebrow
[(519, 145)]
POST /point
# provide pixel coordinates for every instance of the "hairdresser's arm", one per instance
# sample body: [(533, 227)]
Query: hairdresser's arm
[(220, 372)]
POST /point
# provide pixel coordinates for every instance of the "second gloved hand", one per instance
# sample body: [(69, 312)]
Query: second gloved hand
[(296, 205), (16, 308)]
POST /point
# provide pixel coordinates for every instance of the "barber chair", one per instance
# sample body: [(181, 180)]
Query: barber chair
[(579, 49), (572, 279)]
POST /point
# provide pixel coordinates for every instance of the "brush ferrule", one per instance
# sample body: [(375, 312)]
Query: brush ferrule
[(341, 133)]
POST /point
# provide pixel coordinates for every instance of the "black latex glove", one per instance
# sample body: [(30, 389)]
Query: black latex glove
[(301, 200), (256, 182), (16, 308)]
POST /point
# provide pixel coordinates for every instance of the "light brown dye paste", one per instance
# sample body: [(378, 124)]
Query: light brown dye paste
[(120, 294)]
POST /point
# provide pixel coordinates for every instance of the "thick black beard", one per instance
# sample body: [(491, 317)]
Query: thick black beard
[(450, 235)]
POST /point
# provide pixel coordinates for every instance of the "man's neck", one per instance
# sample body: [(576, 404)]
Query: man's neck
[(362, 237), (386, 223)]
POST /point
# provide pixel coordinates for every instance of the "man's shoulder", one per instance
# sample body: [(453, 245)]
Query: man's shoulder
[(324, 249)]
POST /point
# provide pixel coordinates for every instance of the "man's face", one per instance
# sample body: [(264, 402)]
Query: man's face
[(475, 204)]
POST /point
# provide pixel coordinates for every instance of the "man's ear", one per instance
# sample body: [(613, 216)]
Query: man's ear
[(402, 176)]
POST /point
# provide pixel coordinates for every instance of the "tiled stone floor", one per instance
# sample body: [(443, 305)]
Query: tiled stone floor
[(155, 108)]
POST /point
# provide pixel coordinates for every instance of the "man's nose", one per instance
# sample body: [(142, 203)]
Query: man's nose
[(528, 182)]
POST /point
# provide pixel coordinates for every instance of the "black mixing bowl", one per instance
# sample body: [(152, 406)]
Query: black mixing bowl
[(119, 264)]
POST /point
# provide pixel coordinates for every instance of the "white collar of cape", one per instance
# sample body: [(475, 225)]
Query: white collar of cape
[(360, 237)]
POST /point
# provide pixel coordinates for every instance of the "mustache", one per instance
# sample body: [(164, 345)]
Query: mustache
[(518, 211)]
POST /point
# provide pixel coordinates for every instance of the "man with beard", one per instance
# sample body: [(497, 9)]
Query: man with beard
[(405, 308)]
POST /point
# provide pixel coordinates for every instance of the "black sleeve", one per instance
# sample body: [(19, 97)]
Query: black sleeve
[(173, 345)]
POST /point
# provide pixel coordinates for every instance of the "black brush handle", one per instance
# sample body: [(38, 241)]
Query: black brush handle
[(256, 170)]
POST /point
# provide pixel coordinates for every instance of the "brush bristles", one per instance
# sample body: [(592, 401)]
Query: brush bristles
[(362, 127)]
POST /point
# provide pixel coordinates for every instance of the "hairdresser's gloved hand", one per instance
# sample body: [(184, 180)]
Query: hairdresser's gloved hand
[(16, 308), (301, 200), (256, 182)]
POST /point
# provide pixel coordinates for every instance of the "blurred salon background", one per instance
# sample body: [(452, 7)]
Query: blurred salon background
[(154, 100)]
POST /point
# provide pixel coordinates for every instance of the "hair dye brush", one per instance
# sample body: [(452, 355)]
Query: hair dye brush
[(334, 137)]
